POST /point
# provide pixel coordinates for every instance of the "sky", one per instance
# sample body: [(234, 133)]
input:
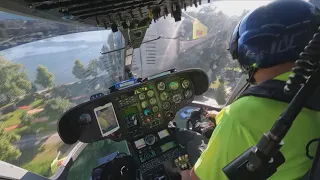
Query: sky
[(234, 8), (231, 8)]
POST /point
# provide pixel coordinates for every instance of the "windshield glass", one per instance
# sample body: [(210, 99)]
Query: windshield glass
[(47, 67)]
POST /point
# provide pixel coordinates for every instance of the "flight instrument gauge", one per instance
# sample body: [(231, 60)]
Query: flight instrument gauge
[(174, 86), (150, 93), (185, 83), (188, 94), (161, 86), (164, 96), (150, 139), (166, 105), (155, 109), (142, 96), (153, 101), (177, 98), (144, 104)]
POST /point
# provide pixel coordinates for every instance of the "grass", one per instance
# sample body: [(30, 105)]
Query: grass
[(41, 159), (53, 116), (14, 118)]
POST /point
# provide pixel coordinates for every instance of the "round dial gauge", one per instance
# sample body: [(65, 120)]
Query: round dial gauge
[(150, 93), (185, 84), (142, 96), (161, 86), (153, 101), (166, 105), (155, 108), (150, 139), (188, 94), (174, 86), (144, 104), (176, 98), (164, 96)]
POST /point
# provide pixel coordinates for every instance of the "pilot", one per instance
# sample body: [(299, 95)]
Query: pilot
[(266, 43)]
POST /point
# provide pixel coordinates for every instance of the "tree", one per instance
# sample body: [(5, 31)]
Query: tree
[(78, 70), (93, 67), (221, 94), (26, 119), (7, 151), (43, 77), (33, 88), (58, 105), (14, 80)]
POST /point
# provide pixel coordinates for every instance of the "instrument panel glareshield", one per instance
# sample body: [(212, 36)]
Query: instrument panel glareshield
[(133, 112)]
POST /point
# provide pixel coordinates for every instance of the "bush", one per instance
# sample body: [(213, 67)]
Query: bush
[(221, 94), (27, 100), (26, 119), (58, 105)]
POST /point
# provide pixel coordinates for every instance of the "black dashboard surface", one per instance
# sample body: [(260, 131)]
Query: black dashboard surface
[(140, 109)]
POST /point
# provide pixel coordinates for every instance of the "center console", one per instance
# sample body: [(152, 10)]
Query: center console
[(146, 112), (153, 150)]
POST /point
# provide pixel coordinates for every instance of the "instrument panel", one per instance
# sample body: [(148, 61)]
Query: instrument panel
[(138, 110), (154, 104)]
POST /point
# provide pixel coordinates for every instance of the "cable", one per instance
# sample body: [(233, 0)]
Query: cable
[(308, 147), (305, 66)]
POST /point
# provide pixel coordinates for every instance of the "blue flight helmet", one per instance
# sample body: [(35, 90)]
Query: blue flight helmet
[(273, 34)]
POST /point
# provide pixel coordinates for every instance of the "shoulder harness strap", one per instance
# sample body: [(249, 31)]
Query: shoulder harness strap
[(273, 89)]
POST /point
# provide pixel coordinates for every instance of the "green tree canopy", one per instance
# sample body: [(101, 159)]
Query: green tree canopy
[(221, 94), (14, 80), (33, 88), (78, 70), (7, 151), (58, 105), (26, 119), (43, 77), (93, 67)]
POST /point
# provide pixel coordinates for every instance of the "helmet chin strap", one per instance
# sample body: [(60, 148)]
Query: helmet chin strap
[(251, 73)]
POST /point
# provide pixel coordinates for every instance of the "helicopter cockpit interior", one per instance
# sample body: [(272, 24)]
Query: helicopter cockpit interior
[(138, 114), (139, 110), (125, 113)]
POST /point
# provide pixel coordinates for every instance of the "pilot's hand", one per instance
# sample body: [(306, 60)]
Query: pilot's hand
[(212, 114), (185, 174), (172, 171)]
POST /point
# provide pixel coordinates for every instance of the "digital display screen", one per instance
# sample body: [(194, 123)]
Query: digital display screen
[(107, 119), (130, 116), (163, 134), (130, 111), (174, 86), (140, 143), (147, 155), (167, 146)]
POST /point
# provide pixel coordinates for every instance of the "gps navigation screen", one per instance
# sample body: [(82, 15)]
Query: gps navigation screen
[(107, 119)]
